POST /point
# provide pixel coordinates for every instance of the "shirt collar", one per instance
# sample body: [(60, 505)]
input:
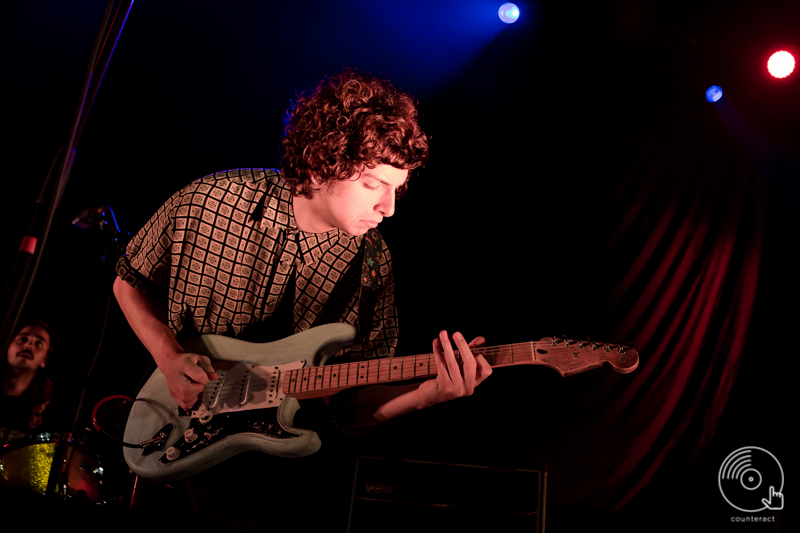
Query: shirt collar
[(275, 209)]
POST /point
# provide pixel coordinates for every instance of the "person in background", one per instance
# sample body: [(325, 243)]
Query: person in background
[(26, 388)]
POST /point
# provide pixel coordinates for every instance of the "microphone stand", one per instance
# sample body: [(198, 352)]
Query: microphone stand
[(29, 254)]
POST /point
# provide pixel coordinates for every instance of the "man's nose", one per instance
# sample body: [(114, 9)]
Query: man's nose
[(386, 205)]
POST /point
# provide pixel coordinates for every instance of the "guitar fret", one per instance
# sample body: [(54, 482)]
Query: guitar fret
[(422, 365), (372, 372), (384, 365), (308, 378), (315, 380), (352, 374), (304, 380), (396, 372), (408, 369), (324, 374)]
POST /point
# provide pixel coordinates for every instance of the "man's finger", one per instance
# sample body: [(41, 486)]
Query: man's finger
[(468, 363), (208, 367), (193, 370), (450, 358), (477, 342), (484, 369)]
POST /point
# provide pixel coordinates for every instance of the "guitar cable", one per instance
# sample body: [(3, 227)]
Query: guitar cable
[(104, 432)]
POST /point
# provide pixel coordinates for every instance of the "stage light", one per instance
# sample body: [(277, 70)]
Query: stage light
[(508, 13), (714, 93), (780, 64)]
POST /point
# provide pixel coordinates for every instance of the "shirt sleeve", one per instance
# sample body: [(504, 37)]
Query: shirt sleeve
[(146, 263)]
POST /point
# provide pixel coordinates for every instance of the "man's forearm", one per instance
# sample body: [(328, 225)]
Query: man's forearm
[(454, 379), (186, 373), (377, 403), (148, 320)]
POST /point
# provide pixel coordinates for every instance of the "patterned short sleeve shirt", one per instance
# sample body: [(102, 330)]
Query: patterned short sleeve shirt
[(226, 255)]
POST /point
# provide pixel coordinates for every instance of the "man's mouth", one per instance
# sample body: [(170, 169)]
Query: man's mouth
[(26, 354)]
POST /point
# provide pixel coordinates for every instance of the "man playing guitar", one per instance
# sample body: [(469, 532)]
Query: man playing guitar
[(259, 254)]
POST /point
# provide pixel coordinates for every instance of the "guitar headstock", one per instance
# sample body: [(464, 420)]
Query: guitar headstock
[(569, 356)]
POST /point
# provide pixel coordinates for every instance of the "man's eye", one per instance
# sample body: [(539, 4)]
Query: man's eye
[(370, 187)]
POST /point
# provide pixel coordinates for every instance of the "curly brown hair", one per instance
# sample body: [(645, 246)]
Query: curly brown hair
[(349, 122)]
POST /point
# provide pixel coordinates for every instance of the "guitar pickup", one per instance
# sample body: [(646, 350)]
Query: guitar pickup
[(244, 386), (232, 377), (211, 392)]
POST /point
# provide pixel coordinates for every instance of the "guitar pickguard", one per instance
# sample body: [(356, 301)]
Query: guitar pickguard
[(246, 386)]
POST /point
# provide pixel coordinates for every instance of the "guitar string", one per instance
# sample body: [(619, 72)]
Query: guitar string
[(501, 355), (496, 356), (345, 377)]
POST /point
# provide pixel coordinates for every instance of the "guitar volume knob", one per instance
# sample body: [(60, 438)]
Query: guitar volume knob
[(172, 453), (190, 435)]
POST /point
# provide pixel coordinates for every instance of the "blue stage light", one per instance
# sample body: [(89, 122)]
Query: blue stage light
[(509, 13), (714, 93)]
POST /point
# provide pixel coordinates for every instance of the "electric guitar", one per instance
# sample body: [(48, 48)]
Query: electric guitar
[(251, 406)]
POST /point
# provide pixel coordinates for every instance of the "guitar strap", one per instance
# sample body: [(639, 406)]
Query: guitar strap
[(370, 283)]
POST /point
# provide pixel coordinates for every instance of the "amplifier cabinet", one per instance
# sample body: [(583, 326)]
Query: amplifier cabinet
[(406, 496)]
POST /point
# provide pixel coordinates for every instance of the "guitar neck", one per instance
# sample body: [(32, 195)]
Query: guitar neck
[(318, 381), (568, 357)]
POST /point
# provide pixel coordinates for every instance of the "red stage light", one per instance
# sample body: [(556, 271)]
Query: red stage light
[(780, 64)]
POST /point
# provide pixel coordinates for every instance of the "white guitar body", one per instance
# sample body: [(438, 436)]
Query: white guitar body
[(251, 377)]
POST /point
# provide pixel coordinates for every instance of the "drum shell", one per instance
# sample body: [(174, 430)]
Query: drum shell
[(26, 465)]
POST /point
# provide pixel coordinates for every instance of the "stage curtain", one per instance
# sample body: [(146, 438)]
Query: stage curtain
[(682, 230)]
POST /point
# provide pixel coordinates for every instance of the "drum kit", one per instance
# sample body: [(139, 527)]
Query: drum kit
[(26, 465)]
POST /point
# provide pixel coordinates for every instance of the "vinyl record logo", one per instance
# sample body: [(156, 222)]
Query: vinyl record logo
[(751, 480)]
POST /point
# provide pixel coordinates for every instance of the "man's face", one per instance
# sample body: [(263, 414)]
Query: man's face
[(29, 349), (361, 202)]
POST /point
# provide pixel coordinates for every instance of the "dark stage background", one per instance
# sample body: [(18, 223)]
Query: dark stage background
[(579, 184)]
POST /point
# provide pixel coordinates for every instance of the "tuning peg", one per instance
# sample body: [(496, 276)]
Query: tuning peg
[(588, 341), (624, 346)]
